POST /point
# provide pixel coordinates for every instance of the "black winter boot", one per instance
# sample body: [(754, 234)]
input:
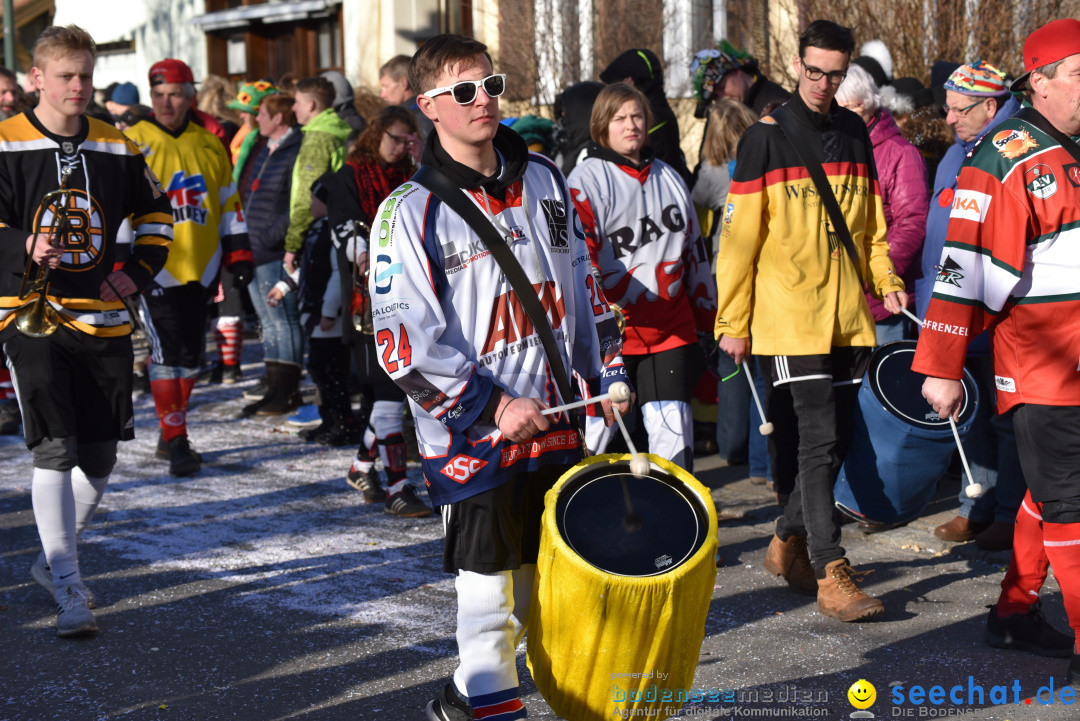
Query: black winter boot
[(285, 398), (273, 379)]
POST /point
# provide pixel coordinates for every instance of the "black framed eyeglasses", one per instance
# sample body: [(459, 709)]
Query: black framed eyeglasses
[(465, 91), (400, 139), (814, 74), (961, 112)]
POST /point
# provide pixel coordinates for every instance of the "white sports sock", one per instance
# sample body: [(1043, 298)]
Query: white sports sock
[(523, 587), (54, 512), (670, 425), (88, 492), (386, 417), (485, 633)]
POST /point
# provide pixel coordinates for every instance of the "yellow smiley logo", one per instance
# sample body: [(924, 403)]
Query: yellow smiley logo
[(862, 694)]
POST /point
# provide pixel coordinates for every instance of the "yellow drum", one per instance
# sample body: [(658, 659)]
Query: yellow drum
[(620, 599)]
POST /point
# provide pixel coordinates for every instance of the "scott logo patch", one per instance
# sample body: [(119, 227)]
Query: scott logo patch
[(969, 205), (1040, 181), (461, 468), (1013, 143), (1005, 385)]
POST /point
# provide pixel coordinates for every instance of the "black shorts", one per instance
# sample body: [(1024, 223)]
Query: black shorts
[(370, 373), (73, 385), (663, 376), (499, 529), (176, 323), (845, 366), (1048, 441)]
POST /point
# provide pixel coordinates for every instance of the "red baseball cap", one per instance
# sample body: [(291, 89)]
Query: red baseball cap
[(1054, 41), (170, 70)]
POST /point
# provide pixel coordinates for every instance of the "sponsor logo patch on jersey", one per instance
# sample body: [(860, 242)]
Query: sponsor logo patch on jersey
[(1072, 172), (1040, 181), (555, 214), (1005, 385), (461, 468), (729, 213), (970, 205), (186, 193), (949, 272), (384, 273), (1013, 143)]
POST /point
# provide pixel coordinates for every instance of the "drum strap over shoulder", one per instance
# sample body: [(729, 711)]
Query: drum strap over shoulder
[(821, 182), (455, 199)]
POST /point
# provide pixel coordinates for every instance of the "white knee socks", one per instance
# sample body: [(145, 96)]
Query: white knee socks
[(485, 633), (64, 502)]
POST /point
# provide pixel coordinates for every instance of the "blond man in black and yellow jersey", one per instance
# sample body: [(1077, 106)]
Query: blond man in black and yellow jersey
[(74, 386)]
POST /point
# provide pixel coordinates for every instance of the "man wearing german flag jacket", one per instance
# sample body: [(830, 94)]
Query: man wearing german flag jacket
[(210, 231), (73, 386), (785, 278), (452, 334), (647, 250), (1010, 265)]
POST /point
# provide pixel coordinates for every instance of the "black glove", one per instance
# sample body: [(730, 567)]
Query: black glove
[(242, 273)]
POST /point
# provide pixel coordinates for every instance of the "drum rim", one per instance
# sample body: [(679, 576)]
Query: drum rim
[(699, 511), (971, 397), (708, 548)]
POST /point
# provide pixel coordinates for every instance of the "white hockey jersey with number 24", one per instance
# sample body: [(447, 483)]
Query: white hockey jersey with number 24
[(449, 328)]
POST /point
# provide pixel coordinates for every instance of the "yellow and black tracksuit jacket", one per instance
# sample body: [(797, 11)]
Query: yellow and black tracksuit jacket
[(783, 275), (109, 181)]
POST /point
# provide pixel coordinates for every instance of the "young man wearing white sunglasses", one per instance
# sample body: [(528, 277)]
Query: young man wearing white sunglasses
[(452, 333)]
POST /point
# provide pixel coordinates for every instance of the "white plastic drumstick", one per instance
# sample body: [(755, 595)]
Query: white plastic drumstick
[(765, 428), (617, 393), (972, 489), (911, 315), (639, 464)]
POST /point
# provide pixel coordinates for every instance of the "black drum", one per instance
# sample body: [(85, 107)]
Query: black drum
[(669, 521)]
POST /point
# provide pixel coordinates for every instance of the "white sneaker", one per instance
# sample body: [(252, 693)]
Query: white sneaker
[(39, 571), (73, 616)]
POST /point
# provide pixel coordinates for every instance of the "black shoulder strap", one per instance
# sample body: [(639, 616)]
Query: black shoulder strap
[(453, 196), (817, 174), (1034, 117)]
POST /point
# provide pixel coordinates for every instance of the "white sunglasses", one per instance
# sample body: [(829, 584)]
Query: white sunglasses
[(465, 91)]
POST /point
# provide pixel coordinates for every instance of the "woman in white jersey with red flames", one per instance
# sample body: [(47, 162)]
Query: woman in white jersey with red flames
[(648, 254)]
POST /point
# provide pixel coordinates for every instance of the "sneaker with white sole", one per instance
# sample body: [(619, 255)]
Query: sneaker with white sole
[(73, 615), (40, 572), (366, 483), (407, 505), (449, 706)]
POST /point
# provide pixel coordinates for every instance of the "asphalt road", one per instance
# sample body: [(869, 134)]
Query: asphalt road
[(262, 588)]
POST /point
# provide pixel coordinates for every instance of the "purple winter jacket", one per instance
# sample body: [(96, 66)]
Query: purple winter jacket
[(905, 193)]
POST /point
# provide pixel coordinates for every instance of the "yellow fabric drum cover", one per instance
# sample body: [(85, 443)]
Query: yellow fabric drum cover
[(602, 645)]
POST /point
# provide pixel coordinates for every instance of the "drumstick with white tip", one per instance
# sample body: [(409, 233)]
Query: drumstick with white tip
[(617, 393), (972, 489), (765, 428)]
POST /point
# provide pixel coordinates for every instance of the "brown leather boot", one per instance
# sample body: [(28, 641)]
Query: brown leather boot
[(838, 597), (790, 560), (959, 529)]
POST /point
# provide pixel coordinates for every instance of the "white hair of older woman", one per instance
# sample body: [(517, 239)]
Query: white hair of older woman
[(858, 88)]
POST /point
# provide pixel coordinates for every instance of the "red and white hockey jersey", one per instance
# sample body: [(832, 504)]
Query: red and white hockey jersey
[(644, 239), (450, 329), (1010, 264)]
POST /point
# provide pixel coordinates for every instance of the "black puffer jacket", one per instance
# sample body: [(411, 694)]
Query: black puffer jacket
[(267, 208), (573, 109), (643, 67)]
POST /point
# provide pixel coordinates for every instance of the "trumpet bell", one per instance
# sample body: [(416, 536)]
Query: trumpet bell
[(37, 319)]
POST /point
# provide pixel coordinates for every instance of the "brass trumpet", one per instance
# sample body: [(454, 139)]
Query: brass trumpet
[(37, 318)]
